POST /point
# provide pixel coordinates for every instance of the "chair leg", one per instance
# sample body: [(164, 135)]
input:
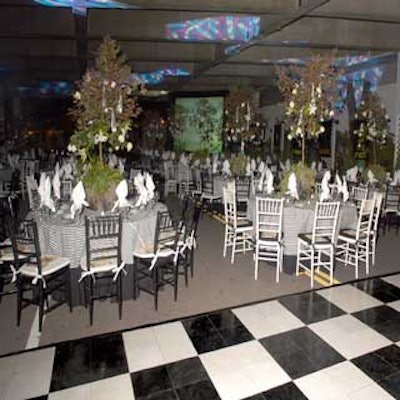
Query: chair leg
[(256, 263), (119, 294), (91, 300), (176, 274), (19, 299), (69, 288), (278, 264), (312, 267), (233, 248), (134, 283), (191, 262), (356, 259), (298, 259), (41, 305)]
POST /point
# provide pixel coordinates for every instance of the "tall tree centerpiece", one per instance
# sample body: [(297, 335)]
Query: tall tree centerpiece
[(104, 107), (309, 92)]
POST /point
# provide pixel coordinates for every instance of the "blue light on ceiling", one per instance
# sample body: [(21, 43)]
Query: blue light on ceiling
[(156, 77), (80, 6), (47, 89), (215, 29)]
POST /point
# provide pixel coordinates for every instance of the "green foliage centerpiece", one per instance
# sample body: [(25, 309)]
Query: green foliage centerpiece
[(104, 106), (308, 92), (305, 177)]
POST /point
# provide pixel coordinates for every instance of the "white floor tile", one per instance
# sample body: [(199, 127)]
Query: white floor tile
[(118, 387), (159, 345), (349, 298), (338, 382), (266, 319), (371, 392), (174, 342), (243, 370), (349, 336), (394, 280), (395, 305), (28, 375)]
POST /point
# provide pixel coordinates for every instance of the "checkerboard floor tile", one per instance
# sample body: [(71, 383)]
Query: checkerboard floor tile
[(336, 343)]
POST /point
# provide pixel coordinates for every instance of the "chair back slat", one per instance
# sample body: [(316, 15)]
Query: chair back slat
[(269, 217), (325, 221), (230, 207), (365, 218)]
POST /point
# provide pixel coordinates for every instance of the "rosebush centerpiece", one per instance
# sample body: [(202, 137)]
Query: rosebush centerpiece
[(104, 106), (378, 171), (305, 180)]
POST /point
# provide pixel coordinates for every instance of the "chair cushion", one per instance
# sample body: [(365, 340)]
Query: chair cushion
[(268, 236), (307, 238), (350, 234), (102, 261), (243, 223), (50, 264)]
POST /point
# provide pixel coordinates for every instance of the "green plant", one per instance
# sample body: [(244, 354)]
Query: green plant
[(238, 165), (305, 180), (379, 173), (200, 155)]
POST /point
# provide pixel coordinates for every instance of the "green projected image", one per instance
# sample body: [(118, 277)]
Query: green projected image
[(199, 121)]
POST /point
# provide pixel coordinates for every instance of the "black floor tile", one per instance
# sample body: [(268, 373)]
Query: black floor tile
[(390, 354), (88, 360), (392, 385), (289, 391), (300, 352), (311, 307), (379, 289), (256, 397), (39, 398), (163, 395), (186, 372), (151, 381), (203, 390), (383, 319), (216, 330), (374, 366)]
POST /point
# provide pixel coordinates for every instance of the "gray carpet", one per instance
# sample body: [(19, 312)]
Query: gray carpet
[(216, 285)]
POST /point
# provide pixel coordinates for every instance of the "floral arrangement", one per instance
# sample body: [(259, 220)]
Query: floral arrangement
[(309, 93), (238, 165), (305, 180), (241, 115), (104, 105), (103, 109), (379, 172), (373, 124)]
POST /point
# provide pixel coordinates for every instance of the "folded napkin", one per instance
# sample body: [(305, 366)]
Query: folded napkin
[(314, 165), (287, 164), (371, 177), (112, 161), (292, 186), (57, 185), (248, 169), (253, 165), (261, 167), (150, 186), (325, 191), (208, 162), (48, 201), (141, 189), (78, 197), (42, 189), (122, 193), (67, 167), (396, 178), (351, 174), (196, 163), (173, 156), (261, 182), (121, 166), (270, 181), (345, 190), (226, 168), (183, 160)]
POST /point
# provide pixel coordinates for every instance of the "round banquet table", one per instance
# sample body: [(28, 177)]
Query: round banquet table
[(298, 218), (64, 237)]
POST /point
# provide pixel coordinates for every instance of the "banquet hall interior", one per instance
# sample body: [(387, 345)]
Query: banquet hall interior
[(199, 199)]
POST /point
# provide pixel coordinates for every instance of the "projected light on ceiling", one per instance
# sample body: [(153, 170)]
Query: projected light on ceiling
[(47, 88), (156, 77), (80, 6), (215, 29)]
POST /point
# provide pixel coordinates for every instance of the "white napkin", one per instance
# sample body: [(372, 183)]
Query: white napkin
[(371, 177), (112, 161), (215, 166), (396, 178), (122, 193), (57, 185), (48, 201), (208, 162), (121, 166), (42, 189), (141, 189), (292, 186), (268, 160), (253, 165), (196, 163), (67, 167), (173, 155), (351, 174), (150, 186), (287, 164), (320, 166), (78, 197), (261, 182), (248, 169), (325, 191), (183, 160), (314, 165), (345, 190), (261, 167), (270, 181), (226, 168)]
